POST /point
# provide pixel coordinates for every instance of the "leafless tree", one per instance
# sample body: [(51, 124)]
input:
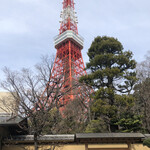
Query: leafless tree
[(77, 112), (37, 95), (143, 68), (142, 91)]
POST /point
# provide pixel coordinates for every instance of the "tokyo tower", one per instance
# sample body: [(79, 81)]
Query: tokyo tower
[(68, 64)]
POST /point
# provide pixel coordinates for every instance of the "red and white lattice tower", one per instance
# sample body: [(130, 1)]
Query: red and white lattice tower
[(68, 63)]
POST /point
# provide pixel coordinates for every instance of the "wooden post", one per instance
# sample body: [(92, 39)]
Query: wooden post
[(129, 146), (0, 143), (86, 146)]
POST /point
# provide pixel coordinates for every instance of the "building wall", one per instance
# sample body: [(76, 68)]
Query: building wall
[(139, 147), (7, 104), (80, 147)]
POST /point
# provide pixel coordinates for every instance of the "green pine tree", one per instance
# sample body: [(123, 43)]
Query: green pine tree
[(112, 76)]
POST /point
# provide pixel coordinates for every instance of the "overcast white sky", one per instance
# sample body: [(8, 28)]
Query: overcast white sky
[(27, 27)]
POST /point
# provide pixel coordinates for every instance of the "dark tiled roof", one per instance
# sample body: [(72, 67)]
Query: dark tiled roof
[(147, 135), (44, 138), (109, 135), (8, 120), (3, 118), (80, 138)]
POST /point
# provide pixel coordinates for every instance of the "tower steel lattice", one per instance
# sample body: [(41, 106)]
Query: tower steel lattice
[(68, 65)]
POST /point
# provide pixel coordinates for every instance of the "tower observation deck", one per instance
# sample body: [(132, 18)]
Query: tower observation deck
[(68, 65)]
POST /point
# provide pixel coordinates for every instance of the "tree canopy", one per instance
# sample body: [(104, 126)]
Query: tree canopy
[(142, 92), (111, 73)]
